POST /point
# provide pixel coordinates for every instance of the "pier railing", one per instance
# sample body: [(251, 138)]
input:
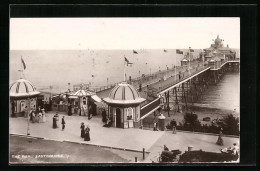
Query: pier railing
[(149, 78), (150, 107)]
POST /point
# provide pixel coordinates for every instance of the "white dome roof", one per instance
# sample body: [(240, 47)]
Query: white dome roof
[(124, 93), (22, 88)]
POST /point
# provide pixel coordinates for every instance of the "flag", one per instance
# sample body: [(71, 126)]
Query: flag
[(24, 66), (127, 61), (135, 52), (178, 51)]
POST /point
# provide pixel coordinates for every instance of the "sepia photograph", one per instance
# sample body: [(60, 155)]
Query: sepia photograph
[(124, 90)]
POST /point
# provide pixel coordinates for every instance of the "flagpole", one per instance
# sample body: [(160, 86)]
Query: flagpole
[(21, 68), (189, 60), (175, 67), (203, 57), (124, 69)]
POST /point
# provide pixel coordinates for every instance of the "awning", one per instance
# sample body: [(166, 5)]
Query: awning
[(96, 98)]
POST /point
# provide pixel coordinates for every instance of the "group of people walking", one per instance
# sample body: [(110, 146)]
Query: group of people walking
[(85, 132), (38, 116), (55, 121)]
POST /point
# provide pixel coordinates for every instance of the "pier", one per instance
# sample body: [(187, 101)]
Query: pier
[(182, 85)]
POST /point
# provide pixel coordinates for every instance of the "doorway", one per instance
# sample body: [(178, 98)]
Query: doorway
[(118, 118)]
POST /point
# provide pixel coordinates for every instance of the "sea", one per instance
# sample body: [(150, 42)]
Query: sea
[(57, 68)]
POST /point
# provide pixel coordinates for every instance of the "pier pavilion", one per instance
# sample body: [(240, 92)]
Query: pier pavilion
[(23, 97), (218, 50), (124, 106)]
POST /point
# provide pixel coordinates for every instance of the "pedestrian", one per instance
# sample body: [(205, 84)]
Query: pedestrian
[(174, 124), (90, 112), (40, 117), (157, 126), (154, 126), (13, 108), (235, 149), (43, 116), (87, 134), (63, 123), (39, 109), (220, 140), (33, 117), (104, 116), (57, 120), (69, 109), (54, 122), (82, 127)]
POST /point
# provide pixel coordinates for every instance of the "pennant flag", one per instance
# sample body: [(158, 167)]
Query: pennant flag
[(24, 66), (178, 51), (135, 52), (165, 50), (127, 62)]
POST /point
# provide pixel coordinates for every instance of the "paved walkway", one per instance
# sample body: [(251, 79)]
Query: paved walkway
[(133, 139), (129, 139)]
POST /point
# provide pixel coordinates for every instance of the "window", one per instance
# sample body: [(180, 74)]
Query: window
[(130, 113)]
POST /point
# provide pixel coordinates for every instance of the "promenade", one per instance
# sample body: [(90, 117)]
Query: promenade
[(120, 139)]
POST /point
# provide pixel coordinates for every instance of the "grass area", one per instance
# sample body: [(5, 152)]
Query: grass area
[(27, 150)]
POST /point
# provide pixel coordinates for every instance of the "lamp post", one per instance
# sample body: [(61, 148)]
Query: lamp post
[(28, 118)]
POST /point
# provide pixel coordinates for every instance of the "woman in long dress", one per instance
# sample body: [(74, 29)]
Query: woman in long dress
[(87, 134), (33, 117), (43, 116), (40, 117), (54, 124), (57, 120), (220, 140), (82, 127)]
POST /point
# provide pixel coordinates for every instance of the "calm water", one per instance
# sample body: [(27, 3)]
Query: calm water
[(60, 67), (224, 95)]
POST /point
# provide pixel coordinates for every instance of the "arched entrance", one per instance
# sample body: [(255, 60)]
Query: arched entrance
[(118, 118)]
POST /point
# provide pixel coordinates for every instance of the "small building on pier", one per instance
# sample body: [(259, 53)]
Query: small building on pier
[(214, 63), (124, 106), (78, 102)]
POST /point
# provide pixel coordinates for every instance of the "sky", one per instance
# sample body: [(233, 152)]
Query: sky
[(121, 33)]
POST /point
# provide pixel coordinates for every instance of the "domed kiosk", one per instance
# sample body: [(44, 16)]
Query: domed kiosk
[(124, 106), (23, 97)]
